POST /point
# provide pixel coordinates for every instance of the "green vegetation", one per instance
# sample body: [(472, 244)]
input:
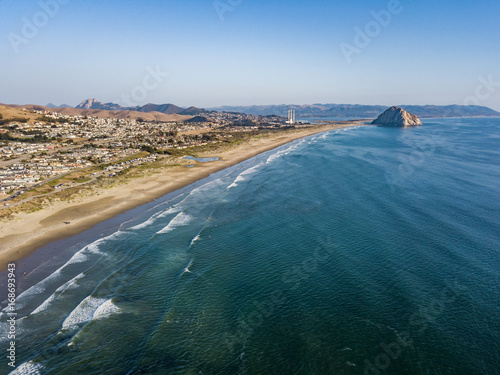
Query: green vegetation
[(22, 120), (32, 132), (38, 138), (82, 180), (54, 182), (48, 119), (149, 149)]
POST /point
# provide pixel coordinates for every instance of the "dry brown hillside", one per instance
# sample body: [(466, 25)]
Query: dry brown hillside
[(148, 116), (10, 112)]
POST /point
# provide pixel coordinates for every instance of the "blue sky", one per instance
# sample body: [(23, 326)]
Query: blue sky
[(232, 52)]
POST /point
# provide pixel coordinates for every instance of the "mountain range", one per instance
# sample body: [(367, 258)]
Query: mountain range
[(102, 113), (50, 105), (168, 109), (360, 111), (171, 112)]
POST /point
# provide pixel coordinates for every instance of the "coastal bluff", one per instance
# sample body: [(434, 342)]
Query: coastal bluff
[(397, 117)]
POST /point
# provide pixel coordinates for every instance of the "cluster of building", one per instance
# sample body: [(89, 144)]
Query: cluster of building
[(236, 118), (41, 165), (66, 143), (13, 150)]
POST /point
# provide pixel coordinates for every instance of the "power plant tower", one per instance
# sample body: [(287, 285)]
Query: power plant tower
[(291, 116)]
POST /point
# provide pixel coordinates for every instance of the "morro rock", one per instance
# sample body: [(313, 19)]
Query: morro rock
[(396, 116)]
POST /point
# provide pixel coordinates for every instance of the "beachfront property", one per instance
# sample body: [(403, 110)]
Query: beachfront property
[(56, 144)]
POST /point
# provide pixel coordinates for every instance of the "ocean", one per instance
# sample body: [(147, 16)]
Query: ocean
[(363, 250)]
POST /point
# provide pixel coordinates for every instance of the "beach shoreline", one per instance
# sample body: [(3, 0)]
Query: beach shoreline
[(22, 236)]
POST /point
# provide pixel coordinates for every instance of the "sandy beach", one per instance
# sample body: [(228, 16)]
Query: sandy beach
[(26, 232)]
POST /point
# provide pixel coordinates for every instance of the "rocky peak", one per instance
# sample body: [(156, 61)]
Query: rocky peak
[(88, 104), (95, 104), (396, 116)]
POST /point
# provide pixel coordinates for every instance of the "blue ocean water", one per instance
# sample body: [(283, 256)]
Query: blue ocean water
[(364, 250)]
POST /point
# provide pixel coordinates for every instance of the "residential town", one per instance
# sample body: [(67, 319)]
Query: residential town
[(36, 152)]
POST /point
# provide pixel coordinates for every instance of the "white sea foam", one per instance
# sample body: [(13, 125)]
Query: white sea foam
[(91, 249), (5, 328), (198, 237), (172, 210), (197, 199), (242, 176), (186, 269), (147, 223), (272, 157), (286, 151), (27, 368), (79, 257), (45, 304), (254, 169), (194, 192), (193, 196), (36, 289), (105, 310), (203, 191), (71, 284), (83, 313), (112, 236), (180, 220)]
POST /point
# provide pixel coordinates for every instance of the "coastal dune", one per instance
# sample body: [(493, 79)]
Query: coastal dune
[(21, 236)]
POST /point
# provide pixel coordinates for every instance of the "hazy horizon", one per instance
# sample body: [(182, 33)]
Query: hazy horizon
[(233, 52), (245, 105)]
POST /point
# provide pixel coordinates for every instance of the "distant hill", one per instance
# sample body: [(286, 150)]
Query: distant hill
[(197, 119), (102, 113), (360, 111), (168, 109), (50, 105), (313, 110), (8, 112), (93, 107), (95, 104), (193, 111), (451, 111)]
